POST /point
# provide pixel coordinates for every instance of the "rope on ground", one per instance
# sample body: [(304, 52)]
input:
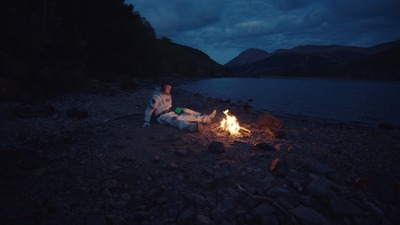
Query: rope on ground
[(120, 118), (270, 200)]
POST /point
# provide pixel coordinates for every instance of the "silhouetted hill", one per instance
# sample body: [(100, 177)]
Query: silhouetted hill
[(248, 56), (183, 61), (294, 64), (376, 62), (384, 46), (382, 65), (49, 46)]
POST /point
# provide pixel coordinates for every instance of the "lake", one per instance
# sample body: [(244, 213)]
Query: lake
[(352, 101)]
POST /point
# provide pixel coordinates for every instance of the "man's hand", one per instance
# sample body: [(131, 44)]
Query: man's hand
[(146, 124)]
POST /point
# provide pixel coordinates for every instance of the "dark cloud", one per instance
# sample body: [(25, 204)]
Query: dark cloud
[(224, 28)]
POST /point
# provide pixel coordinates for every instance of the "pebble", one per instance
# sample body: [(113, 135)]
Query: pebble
[(39, 172)]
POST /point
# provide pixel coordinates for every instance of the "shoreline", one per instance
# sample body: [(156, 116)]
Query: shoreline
[(108, 167)]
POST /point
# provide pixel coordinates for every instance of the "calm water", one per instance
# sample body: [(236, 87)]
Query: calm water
[(353, 101)]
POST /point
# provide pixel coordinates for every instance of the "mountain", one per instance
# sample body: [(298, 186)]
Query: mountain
[(375, 62), (248, 56), (383, 64), (290, 64)]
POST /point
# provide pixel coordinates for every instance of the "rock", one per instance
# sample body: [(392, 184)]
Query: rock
[(275, 133), (39, 172), (365, 221), (273, 165), (116, 220), (107, 194), (268, 178), (269, 220), (197, 199), (224, 222), (343, 207), (320, 186), (220, 176), (173, 166), (300, 189), (226, 203), (218, 214), (207, 171), (340, 189), (266, 120), (120, 204), (181, 152), (172, 212), (264, 146), (156, 159), (317, 167), (294, 148), (126, 196), (96, 220), (295, 177), (284, 147), (216, 147), (187, 216), (203, 220), (33, 111), (309, 215), (207, 182), (110, 184), (262, 210), (276, 191), (75, 113), (375, 209), (161, 200)]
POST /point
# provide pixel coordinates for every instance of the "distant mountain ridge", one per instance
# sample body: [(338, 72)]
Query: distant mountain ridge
[(380, 61), (248, 56)]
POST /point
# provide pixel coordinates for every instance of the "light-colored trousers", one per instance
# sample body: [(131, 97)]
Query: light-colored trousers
[(187, 120)]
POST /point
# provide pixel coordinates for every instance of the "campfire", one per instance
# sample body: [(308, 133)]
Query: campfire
[(231, 124)]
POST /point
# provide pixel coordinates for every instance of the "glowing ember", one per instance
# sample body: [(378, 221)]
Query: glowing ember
[(230, 124)]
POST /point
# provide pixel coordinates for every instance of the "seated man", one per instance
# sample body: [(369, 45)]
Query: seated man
[(160, 107)]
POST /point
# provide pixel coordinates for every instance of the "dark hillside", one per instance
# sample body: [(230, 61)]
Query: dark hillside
[(294, 64), (384, 46), (248, 56), (183, 61), (382, 65), (53, 45)]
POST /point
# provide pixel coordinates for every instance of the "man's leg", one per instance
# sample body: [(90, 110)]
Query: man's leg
[(193, 116), (173, 119)]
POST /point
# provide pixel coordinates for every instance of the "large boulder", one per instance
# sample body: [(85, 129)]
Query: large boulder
[(272, 125)]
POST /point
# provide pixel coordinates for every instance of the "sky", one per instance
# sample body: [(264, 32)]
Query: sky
[(224, 28)]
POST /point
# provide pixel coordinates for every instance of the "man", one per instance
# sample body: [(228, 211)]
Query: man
[(160, 108)]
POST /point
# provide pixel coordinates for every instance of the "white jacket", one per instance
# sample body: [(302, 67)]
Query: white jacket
[(159, 103)]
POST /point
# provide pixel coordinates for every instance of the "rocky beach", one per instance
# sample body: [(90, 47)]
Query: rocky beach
[(83, 158)]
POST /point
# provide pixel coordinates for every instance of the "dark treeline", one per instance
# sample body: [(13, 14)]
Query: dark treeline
[(50, 45)]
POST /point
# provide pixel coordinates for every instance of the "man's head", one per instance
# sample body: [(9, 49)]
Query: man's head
[(166, 87)]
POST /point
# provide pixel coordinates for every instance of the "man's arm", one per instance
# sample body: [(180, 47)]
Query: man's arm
[(149, 111)]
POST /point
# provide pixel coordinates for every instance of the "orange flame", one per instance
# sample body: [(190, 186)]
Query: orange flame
[(230, 124)]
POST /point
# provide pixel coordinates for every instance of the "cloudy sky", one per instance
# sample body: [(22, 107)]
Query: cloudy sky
[(224, 28)]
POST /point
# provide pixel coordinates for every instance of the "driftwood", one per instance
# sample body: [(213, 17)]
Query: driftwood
[(270, 200)]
